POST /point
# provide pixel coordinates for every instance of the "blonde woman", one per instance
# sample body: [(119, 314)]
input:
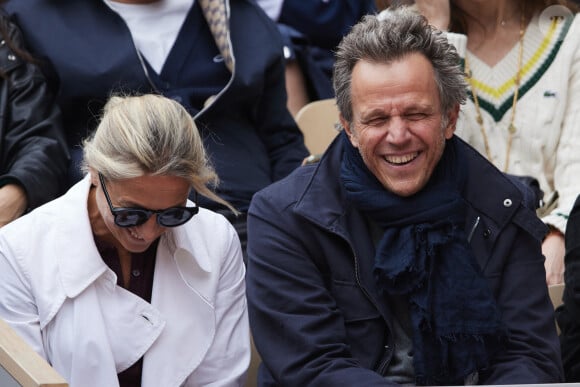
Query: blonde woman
[(123, 281)]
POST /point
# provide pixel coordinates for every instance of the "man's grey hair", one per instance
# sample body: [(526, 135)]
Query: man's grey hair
[(390, 36)]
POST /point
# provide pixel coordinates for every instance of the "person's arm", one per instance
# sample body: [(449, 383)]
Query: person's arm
[(277, 129), (34, 146), (297, 328), (568, 315), (567, 168), (227, 361), (13, 202), (531, 353), (554, 250)]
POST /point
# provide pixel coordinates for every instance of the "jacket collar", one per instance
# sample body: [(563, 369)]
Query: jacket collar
[(79, 262), (323, 200)]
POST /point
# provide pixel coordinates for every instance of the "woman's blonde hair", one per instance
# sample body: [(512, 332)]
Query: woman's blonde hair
[(150, 135)]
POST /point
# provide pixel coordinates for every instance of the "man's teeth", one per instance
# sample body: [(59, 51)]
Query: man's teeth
[(402, 159)]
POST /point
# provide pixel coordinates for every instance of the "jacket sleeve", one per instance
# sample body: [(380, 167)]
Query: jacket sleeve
[(296, 325), (226, 363), (18, 306), (568, 315), (280, 133), (33, 150), (277, 129)]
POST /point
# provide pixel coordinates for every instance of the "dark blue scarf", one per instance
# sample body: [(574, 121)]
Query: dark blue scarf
[(424, 255)]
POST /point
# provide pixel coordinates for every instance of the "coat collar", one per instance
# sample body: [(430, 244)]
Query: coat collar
[(79, 261), (323, 200)]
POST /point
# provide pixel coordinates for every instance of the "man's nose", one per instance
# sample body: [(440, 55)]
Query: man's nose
[(397, 130)]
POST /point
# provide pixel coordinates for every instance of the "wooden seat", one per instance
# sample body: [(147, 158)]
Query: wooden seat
[(21, 365), (317, 121)]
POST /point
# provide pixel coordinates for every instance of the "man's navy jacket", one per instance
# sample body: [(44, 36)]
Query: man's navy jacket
[(315, 311)]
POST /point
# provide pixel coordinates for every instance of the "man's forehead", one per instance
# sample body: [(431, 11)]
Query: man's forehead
[(405, 84)]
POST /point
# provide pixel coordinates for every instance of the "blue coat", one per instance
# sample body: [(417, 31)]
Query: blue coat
[(249, 134), (315, 312), (568, 314)]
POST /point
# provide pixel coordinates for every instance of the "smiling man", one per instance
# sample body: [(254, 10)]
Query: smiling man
[(403, 256)]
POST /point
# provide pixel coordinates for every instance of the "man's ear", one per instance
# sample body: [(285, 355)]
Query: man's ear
[(350, 133), (452, 116)]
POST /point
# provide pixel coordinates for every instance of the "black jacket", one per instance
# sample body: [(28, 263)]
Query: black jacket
[(33, 152), (568, 315)]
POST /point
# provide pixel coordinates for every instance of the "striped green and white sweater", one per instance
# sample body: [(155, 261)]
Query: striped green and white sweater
[(546, 144)]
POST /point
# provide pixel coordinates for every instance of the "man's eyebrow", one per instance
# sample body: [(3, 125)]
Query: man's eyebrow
[(373, 113), (418, 107)]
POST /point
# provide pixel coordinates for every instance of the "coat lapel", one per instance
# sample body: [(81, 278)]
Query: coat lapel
[(187, 306)]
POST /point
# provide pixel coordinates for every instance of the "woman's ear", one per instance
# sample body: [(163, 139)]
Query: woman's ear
[(94, 176)]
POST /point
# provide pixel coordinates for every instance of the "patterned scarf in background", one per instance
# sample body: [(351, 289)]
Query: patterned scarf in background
[(424, 255)]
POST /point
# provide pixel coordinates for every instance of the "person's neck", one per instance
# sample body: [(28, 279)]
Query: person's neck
[(493, 27), (103, 234), (491, 17)]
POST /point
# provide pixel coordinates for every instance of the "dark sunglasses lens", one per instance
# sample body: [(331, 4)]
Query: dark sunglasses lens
[(174, 216), (131, 218)]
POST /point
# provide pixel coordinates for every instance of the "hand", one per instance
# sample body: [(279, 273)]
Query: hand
[(437, 12), (554, 250), (13, 203)]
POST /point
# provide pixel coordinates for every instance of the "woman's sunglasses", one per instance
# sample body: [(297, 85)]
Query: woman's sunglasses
[(135, 216)]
